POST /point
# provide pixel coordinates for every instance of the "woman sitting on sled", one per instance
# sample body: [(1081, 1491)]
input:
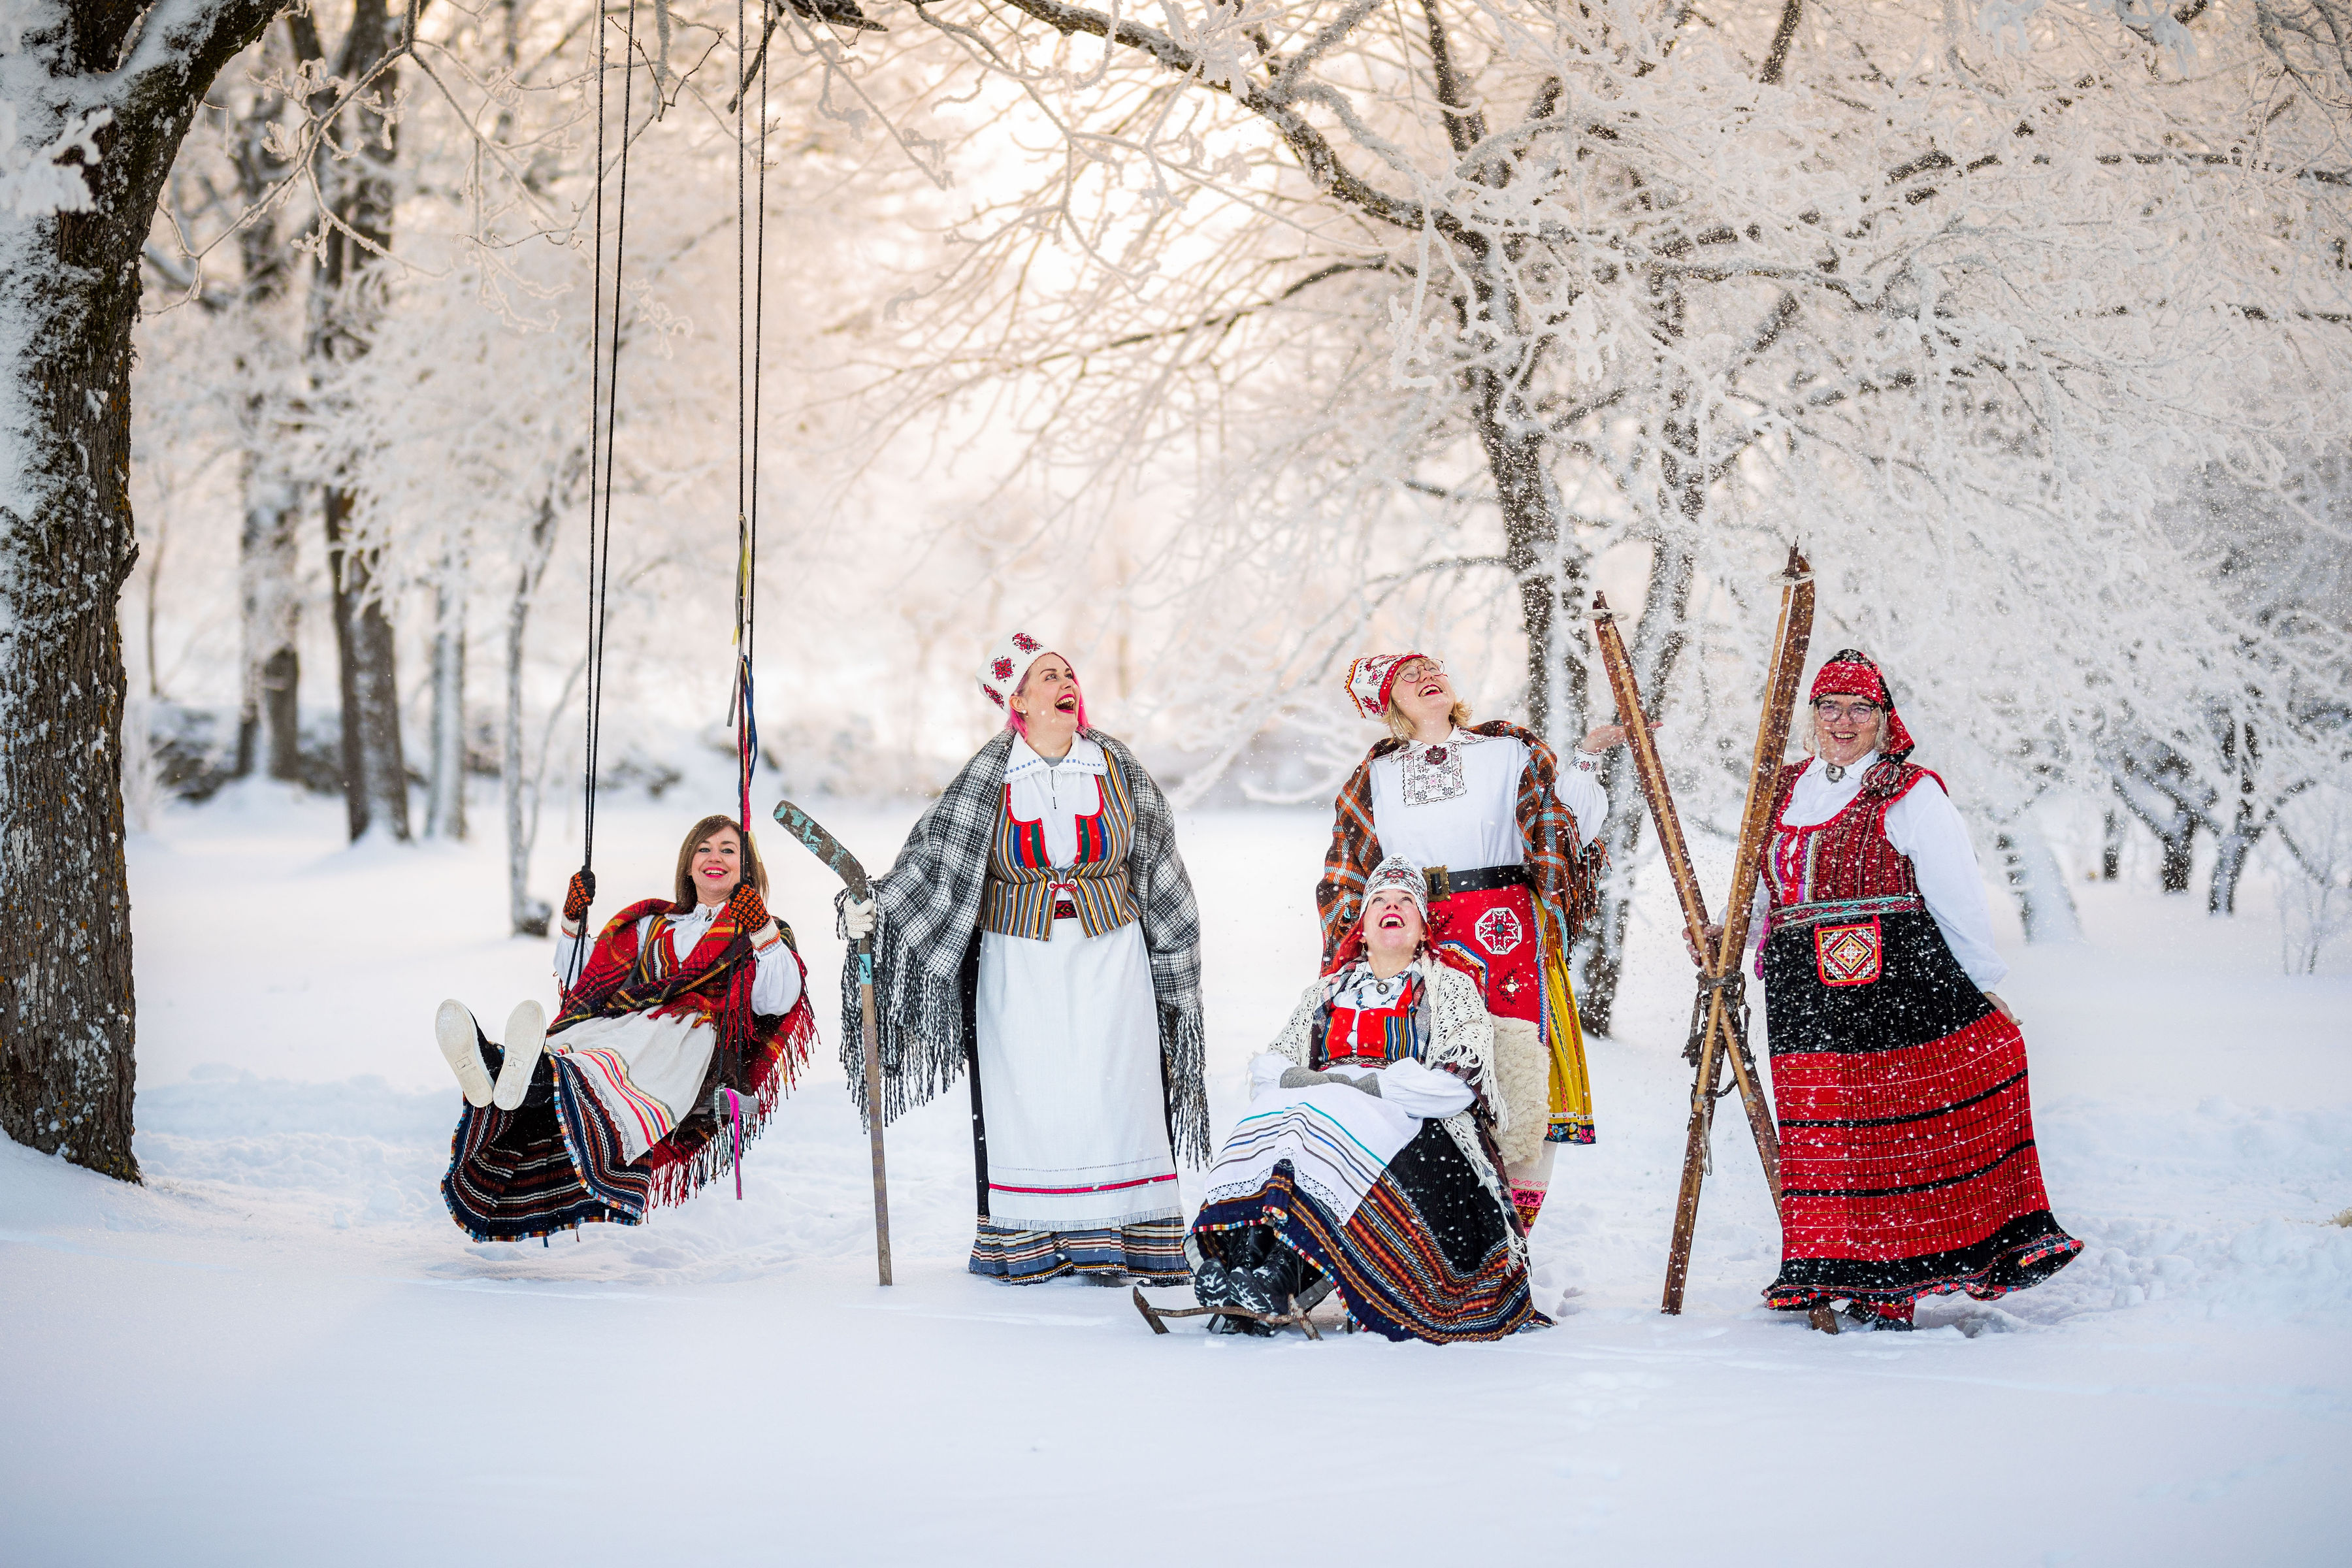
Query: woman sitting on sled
[(678, 1033), (1367, 1155)]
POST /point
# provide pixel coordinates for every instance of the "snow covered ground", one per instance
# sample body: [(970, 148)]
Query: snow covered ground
[(280, 1350)]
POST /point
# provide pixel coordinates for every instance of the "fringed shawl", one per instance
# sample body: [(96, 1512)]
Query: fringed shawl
[(1567, 878), (1459, 1038), (929, 907), (758, 1056)]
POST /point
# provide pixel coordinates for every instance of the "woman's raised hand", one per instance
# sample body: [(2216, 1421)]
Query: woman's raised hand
[(1601, 737), (748, 910)]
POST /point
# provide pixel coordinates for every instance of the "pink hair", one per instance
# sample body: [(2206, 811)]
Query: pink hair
[(1019, 726)]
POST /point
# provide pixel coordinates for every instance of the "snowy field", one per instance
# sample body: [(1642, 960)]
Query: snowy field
[(280, 1350)]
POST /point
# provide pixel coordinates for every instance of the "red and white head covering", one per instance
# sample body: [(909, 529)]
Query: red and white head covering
[(1008, 664), (1854, 673), (1371, 679), (1398, 871)]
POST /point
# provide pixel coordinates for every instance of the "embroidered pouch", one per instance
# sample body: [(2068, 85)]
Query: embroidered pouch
[(1848, 954)]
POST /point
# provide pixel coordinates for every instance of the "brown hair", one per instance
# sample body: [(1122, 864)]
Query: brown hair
[(686, 898)]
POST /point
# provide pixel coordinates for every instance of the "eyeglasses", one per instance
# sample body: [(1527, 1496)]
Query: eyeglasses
[(1419, 669), (1856, 712)]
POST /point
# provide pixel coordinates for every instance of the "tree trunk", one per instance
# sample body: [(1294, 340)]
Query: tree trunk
[(2180, 848), (375, 776), (268, 725), (2111, 847), (1656, 650), (267, 553), (445, 801), (353, 171), (2230, 863), (101, 113), (2046, 906), (527, 915)]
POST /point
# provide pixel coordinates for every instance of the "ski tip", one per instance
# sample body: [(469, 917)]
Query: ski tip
[(1600, 604), (1799, 568)]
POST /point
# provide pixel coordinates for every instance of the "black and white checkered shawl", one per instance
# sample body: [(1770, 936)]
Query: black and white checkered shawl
[(930, 905)]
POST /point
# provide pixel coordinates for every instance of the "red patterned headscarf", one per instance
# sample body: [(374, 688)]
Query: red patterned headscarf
[(1854, 673)]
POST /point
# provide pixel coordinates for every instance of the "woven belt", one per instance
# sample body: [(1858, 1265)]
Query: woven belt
[(1445, 882), (1799, 915)]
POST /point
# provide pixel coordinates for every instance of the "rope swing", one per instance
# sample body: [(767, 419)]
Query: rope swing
[(604, 397)]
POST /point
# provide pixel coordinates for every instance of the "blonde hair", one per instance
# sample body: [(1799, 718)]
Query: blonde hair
[(1402, 728), (1813, 732)]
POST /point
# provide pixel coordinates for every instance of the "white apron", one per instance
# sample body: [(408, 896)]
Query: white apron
[(1069, 1082)]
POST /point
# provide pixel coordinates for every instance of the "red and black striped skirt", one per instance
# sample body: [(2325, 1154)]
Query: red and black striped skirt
[(1907, 1162)]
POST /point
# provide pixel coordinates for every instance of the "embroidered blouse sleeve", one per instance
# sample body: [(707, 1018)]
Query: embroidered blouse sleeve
[(776, 977), (570, 953), (1578, 788), (1925, 827)]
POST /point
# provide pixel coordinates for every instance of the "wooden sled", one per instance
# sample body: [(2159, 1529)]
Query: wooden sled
[(1306, 1301)]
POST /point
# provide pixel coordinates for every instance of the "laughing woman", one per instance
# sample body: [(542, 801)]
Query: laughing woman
[(1507, 836), (1364, 1157), (1908, 1162), (679, 1032), (1038, 928)]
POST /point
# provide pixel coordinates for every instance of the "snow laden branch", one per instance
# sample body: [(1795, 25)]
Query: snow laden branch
[(1628, 289)]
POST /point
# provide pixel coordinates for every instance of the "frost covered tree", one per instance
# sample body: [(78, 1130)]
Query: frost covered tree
[(1513, 296), (94, 99)]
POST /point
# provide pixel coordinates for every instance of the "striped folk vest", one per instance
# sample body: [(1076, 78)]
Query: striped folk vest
[(1023, 888)]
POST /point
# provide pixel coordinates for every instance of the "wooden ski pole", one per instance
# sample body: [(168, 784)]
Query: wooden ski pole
[(1711, 1019), (1721, 1034), (843, 864)]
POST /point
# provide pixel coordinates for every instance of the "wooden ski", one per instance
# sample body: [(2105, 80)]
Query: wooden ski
[(1651, 775), (843, 864), (1719, 1017), (1306, 1301)]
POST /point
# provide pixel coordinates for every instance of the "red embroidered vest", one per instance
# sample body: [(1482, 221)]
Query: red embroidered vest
[(1848, 857), (1373, 1036)]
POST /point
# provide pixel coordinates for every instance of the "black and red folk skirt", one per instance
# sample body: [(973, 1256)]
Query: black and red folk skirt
[(1908, 1165)]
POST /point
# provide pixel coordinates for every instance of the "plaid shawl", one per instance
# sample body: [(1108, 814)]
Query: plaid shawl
[(1567, 878), (758, 1056), (930, 903)]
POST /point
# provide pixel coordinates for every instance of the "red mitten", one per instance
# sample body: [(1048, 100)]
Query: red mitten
[(748, 910), (579, 896)]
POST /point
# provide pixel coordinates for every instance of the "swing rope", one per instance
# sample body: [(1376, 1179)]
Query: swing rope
[(751, 298), (604, 397)]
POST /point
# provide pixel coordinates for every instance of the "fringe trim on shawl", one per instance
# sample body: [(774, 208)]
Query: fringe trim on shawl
[(918, 1011), (677, 1178)]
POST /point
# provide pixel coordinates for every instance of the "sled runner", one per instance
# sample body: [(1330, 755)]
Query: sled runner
[(1304, 1303)]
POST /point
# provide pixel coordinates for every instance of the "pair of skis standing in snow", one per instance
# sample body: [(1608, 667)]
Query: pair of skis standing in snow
[(1038, 934)]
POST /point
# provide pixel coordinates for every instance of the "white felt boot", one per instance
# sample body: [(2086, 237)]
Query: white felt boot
[(526, 1032), (453, 1025)]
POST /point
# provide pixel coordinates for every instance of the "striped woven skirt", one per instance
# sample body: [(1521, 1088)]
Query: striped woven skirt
[(1425, 1256), (1152, 1252), (1907, 1163)]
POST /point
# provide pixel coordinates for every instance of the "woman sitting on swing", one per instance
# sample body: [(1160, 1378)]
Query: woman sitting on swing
[(678, 1036)]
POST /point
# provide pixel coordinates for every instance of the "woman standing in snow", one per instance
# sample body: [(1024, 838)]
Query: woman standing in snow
[(1908, 1165), (1507, 837), (1038, 928), (678, 1033), (1363, 1157)]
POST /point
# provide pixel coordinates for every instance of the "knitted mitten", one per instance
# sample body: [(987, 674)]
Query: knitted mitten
[(579, 895), (748, 910)]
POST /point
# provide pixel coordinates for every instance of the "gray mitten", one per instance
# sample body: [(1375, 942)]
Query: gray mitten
[(1369, 1083), (1303, 1077)]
